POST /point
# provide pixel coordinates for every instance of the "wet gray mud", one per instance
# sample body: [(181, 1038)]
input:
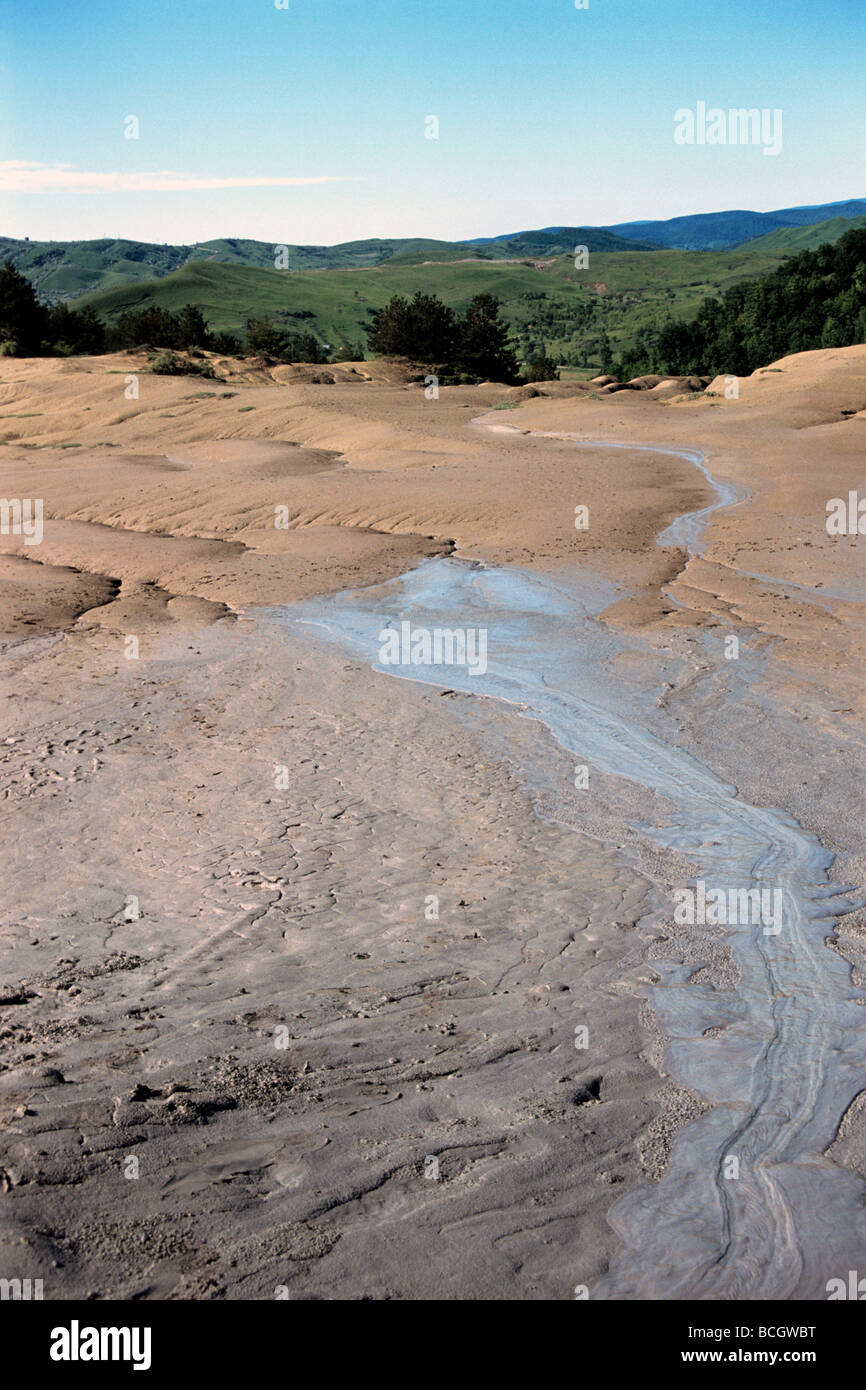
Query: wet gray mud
[(750, 1206)]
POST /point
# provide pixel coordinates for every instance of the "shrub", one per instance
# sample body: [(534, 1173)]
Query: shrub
[(265, 339), (169, 364), (74, 330), (542, 368)]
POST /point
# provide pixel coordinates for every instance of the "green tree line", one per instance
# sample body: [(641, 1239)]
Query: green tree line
[(817, 299), (473, 345), (29, 328)]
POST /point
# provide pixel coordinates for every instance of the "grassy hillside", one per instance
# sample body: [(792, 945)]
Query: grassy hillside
[(346, 256), (559, 241), (67, 269), (62, 270), (794, 239), (816, 299), (555, 307)]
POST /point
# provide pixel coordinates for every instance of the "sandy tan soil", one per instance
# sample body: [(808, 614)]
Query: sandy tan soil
[(172, 904)]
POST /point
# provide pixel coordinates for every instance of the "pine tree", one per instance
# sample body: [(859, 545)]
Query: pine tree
[(421, 328), (484, 348), (22, 317), (191, 329)]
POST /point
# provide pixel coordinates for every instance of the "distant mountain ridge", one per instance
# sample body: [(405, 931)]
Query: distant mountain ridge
[(68, 270), (702, 231), (718, 231), (794, 239)]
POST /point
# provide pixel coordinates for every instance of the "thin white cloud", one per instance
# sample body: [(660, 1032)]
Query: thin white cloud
[(29, 176)]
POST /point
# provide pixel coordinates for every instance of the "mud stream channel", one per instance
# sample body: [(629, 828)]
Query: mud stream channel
[(749, 1206)]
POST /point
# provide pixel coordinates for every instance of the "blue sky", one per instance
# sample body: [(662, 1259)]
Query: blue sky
[(547, 114)]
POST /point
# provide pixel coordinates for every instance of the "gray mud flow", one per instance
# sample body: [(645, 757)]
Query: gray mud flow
[(750, 1206)]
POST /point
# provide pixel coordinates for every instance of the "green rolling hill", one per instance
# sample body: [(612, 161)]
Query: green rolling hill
[(553, 306), (65, 270), (574, 315), (70, 270), (61, 270), (794, 239)]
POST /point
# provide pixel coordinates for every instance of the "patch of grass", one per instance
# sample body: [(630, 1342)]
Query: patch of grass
[(227, 395), (201, 396), (507, 405), (242, 408), (73, 444)]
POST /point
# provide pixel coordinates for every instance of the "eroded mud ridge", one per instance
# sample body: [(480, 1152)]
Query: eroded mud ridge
[(750, 1206)]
